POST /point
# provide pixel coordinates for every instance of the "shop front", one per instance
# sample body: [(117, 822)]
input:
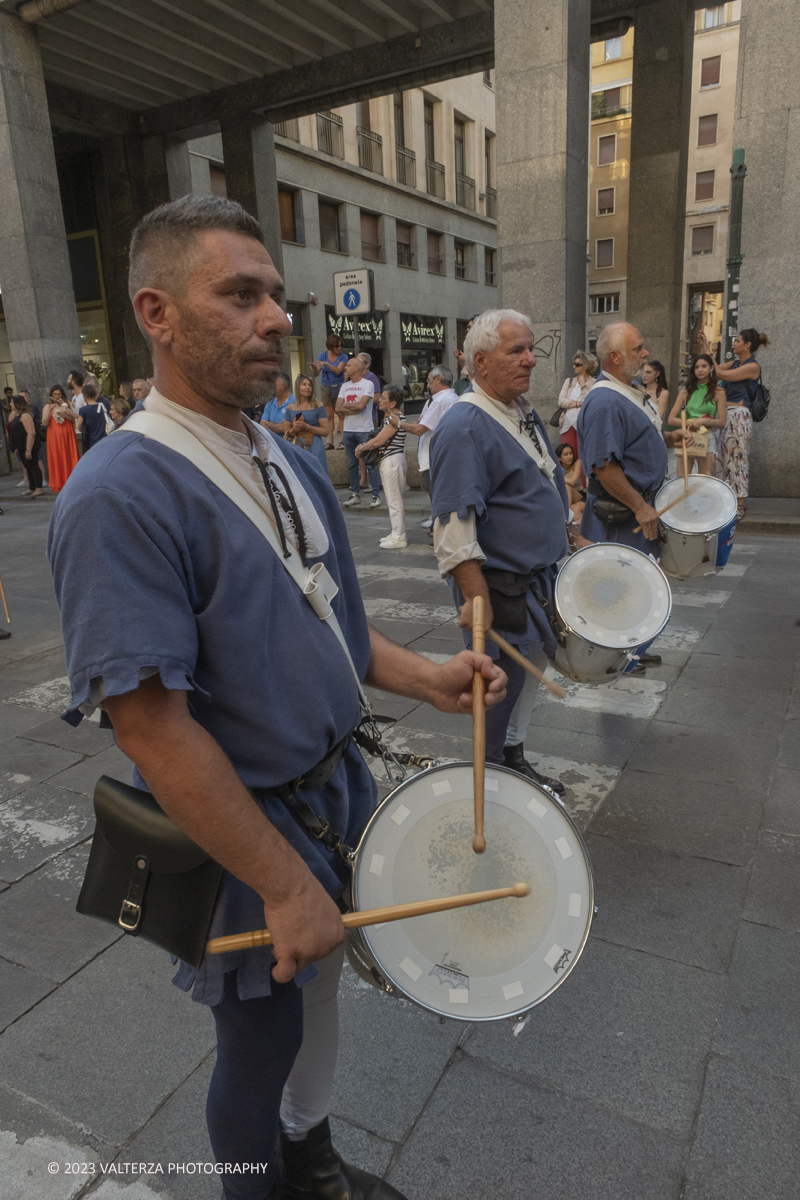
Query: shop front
[(423, 345), (371, 335), (297, 341)]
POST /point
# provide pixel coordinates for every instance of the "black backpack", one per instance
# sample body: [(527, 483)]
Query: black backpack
[(759, 400)]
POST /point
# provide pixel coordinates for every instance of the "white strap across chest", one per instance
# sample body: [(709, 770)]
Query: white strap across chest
[(314, 582), (636, 399), (543, 461)]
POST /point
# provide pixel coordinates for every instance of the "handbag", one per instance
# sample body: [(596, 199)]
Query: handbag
[(146, 876), (371, 458), (555, 420), (109, 424), (759, 405), (508, 595)]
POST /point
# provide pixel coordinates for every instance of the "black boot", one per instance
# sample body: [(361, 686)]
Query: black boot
[(650, 660), (516, 760), (314, 1171)]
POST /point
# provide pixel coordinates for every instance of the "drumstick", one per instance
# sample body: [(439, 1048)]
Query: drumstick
[(508, 649), (672, 503), (5, 606), (375, 916), (478, 728), (685, 453)]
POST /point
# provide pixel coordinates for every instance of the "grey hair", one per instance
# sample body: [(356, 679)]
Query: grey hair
[(444, 373), (588, 360), (484, 333), (611, 339), (163, 241), (287, 378), (366, 357)]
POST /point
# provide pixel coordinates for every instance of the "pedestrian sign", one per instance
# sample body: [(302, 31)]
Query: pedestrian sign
[(353, 292)]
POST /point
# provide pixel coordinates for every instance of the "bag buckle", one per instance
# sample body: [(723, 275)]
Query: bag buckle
[(129, 915)]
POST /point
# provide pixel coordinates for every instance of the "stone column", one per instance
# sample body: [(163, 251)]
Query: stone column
[(35, 276), (767, 126), (662, 79), (248, 150), (543, 85)]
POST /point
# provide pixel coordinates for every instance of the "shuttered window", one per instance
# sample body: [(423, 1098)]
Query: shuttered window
[(703, 239), (707, 130), (709, 71)]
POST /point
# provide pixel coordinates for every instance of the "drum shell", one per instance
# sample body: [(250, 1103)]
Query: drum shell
[(688, 555), (586, 662)]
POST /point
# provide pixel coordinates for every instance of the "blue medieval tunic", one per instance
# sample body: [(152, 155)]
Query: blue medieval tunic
[(155, 567), (614, 429), (520, 515)]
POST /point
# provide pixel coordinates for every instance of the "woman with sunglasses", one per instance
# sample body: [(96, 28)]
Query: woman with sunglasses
[(573, 394), (330, 364)]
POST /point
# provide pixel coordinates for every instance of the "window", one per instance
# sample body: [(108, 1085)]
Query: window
[(709, 72), (362, 114), (405, 256), (714, 16), (606, 149), (487, 79), (330, 134), (703, 239), (430, 144), (490, 270), (604, 304), (460, 131), (613, 49), (613, 99), (370, 239), (286, 208), (218, 187), (605, 252), (399, 120), (707, 130), (605, 201), (461, 260), (435, 259), (329, 233), (704, 185)]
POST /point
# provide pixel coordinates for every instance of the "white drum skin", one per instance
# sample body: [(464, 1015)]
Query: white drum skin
[(690, 531), (610, 600), (485, 962)]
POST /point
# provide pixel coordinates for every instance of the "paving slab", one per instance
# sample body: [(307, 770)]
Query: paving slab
[(20, 990), (745, 644), (391, 1057), (37, 824), (486, 1135), (789, 754), (773, 897), (673, 905), (111, 1072), (87, 738), (708, 820), (758, 1020), (747, 1146), (718, 710), (626, 1030), (24, 763), (15, 720), (40, 662), (749, 674), (578, 747), (39, 927), (782, 809), (84, 775), (687, 752)]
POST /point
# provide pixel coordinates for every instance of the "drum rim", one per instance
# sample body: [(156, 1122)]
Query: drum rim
[(695, 532), (364, 930), (622, 649)]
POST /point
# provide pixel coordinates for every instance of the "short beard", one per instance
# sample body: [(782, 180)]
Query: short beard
[(211, 366), (630, 367)]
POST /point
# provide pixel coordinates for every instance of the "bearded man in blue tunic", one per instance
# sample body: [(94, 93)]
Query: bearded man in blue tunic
[(623, 451), (200, 675), (500, 508)]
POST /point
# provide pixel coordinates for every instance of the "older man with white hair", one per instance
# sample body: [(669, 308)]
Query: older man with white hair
[(500, 509)]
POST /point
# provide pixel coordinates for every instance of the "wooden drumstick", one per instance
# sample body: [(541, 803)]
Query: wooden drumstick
[(375, 916), (672, 503), (508, 649), (478, 727), (5, 606), (685, 453)]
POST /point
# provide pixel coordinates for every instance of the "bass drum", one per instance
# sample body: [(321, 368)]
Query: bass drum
[(489, 961), (611, 602), (697, 532)]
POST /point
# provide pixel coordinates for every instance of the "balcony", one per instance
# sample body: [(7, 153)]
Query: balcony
[(406, 166), (434, 178), (370, 150), (288, 129), (491, 202), (465, 191), (600, 108), (330, 134)]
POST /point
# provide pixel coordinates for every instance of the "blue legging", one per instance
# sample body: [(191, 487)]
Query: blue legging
[(257, 1043)]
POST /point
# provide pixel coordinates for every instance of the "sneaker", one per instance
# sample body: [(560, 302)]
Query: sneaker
[(22, 483), (375, 502), (45, 483), (355, 498), (427, 523), (394, 544)]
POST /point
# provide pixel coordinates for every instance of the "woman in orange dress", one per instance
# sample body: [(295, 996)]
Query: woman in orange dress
[(59, 419)]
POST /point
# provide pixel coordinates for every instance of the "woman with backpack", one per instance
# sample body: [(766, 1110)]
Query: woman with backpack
[(25, 438), (740, 380), (704, 402)]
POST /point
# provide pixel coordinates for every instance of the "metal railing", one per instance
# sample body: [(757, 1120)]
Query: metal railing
[(406, 166), (434, 178), (330, 134), (287, 129), (435, 266), (465, 191), (370, 150), (491, 202), (405, 258), (599, 109)]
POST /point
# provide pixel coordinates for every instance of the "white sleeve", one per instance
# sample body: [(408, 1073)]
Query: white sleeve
[(456, 542), (433, 416)]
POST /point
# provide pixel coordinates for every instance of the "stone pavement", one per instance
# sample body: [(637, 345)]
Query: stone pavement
[(666, 1067)]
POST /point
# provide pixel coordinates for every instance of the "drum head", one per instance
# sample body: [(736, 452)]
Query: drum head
[(613, 596), (489, 960), (709, 506)]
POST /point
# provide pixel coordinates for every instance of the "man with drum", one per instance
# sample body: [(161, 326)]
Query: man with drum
[(500, 509), (226, 689)]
